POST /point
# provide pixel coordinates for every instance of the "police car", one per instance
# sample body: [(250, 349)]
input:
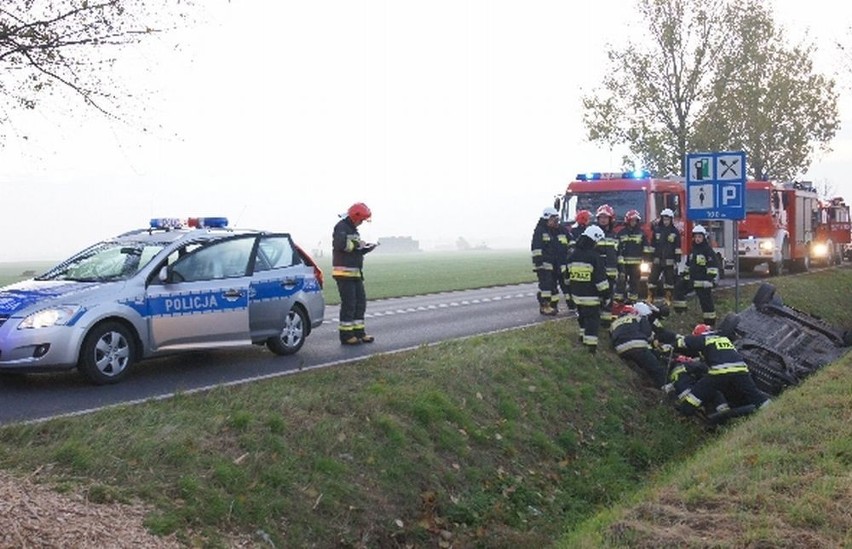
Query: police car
[(176, 285)]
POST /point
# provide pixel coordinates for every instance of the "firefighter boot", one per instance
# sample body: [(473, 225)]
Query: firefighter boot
[(547, 310)]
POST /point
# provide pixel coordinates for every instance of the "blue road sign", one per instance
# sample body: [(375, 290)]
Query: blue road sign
[(715, 185)]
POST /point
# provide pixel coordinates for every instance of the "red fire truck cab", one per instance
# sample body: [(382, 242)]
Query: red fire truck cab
[(833, 239), (637, 190), (779, 228)]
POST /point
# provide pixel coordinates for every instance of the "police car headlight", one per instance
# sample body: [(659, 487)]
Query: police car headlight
[(644, 268), (820, 250), (56, 316), (767, 245)]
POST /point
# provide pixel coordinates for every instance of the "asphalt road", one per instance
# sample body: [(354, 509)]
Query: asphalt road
[(398, 324)]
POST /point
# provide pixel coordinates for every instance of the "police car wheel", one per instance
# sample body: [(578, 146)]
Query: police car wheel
[(108, 352), (292, 335)]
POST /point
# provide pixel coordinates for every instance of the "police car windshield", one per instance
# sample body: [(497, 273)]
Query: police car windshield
[(105, 261), (621, 201)]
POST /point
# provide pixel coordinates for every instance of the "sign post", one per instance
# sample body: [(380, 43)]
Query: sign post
[(716, 189)]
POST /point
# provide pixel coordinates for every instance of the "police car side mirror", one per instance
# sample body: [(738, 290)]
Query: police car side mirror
[(164, 274)]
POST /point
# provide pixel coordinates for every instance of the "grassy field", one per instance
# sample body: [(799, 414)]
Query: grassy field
[(505, 440), (393, 275), (16, 271)]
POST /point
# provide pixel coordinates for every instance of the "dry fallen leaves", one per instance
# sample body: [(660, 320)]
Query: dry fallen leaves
[(32, 515)]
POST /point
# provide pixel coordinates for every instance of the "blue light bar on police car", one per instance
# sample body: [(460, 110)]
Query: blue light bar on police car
[(166, 223), (192, 222)]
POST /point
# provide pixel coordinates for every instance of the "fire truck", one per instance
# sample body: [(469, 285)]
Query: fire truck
[(637, 190), (833, 238), (780, 226)]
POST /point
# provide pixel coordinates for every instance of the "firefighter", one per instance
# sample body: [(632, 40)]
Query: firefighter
[(347, 268), (666, 254), (608, 249), (632, 247), (581, 221), (727, 371), (701, 275), (546, 258), (631, 335), (589, 285)]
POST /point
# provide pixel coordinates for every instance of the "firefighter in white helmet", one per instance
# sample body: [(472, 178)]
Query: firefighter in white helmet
[(701, 275), (549, 247), (665, 254), (589, 285)]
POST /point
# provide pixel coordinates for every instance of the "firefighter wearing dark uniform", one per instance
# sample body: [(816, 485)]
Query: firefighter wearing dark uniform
[(632, 247), (666, 254), (701, 275), (608, 249), (727, 371), (631, 335), (546, 257), (581, 221), (589, 284), (347, 263), (683, 377)]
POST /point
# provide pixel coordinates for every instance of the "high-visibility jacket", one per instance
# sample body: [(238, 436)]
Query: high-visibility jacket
[(630, 331), (632, 245), (549, 246), (587, 280), (347, 253), (608, 249), (703, 267), (665, 245), (716, 350)]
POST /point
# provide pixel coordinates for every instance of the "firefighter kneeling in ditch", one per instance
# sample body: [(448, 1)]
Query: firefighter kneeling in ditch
[(726, 374), (631, 335)]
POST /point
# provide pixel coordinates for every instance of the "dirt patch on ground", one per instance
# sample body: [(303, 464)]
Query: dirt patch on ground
[(35, 516), (667, 522)]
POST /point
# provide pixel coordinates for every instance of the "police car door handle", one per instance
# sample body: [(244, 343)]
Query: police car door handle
[(288, 282), (232, 294)]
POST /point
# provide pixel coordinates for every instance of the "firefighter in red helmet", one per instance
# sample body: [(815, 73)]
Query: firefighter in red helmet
[(608, 249), (632, 247), (347, 268), (727, 371)]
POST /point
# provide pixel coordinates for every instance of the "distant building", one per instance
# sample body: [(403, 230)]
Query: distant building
[(398, 244)]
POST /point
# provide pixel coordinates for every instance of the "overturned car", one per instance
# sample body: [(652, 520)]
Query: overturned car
[(780, 344)]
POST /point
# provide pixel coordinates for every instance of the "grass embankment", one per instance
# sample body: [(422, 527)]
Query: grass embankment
[(782, 478), (395, 275), (505, 440)]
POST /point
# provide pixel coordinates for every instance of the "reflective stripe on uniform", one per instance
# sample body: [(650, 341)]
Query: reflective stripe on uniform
[(345, 272), (728, 368), (633, 344)]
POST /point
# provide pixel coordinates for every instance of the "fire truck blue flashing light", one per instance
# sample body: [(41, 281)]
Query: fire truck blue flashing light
[(599, 176)]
